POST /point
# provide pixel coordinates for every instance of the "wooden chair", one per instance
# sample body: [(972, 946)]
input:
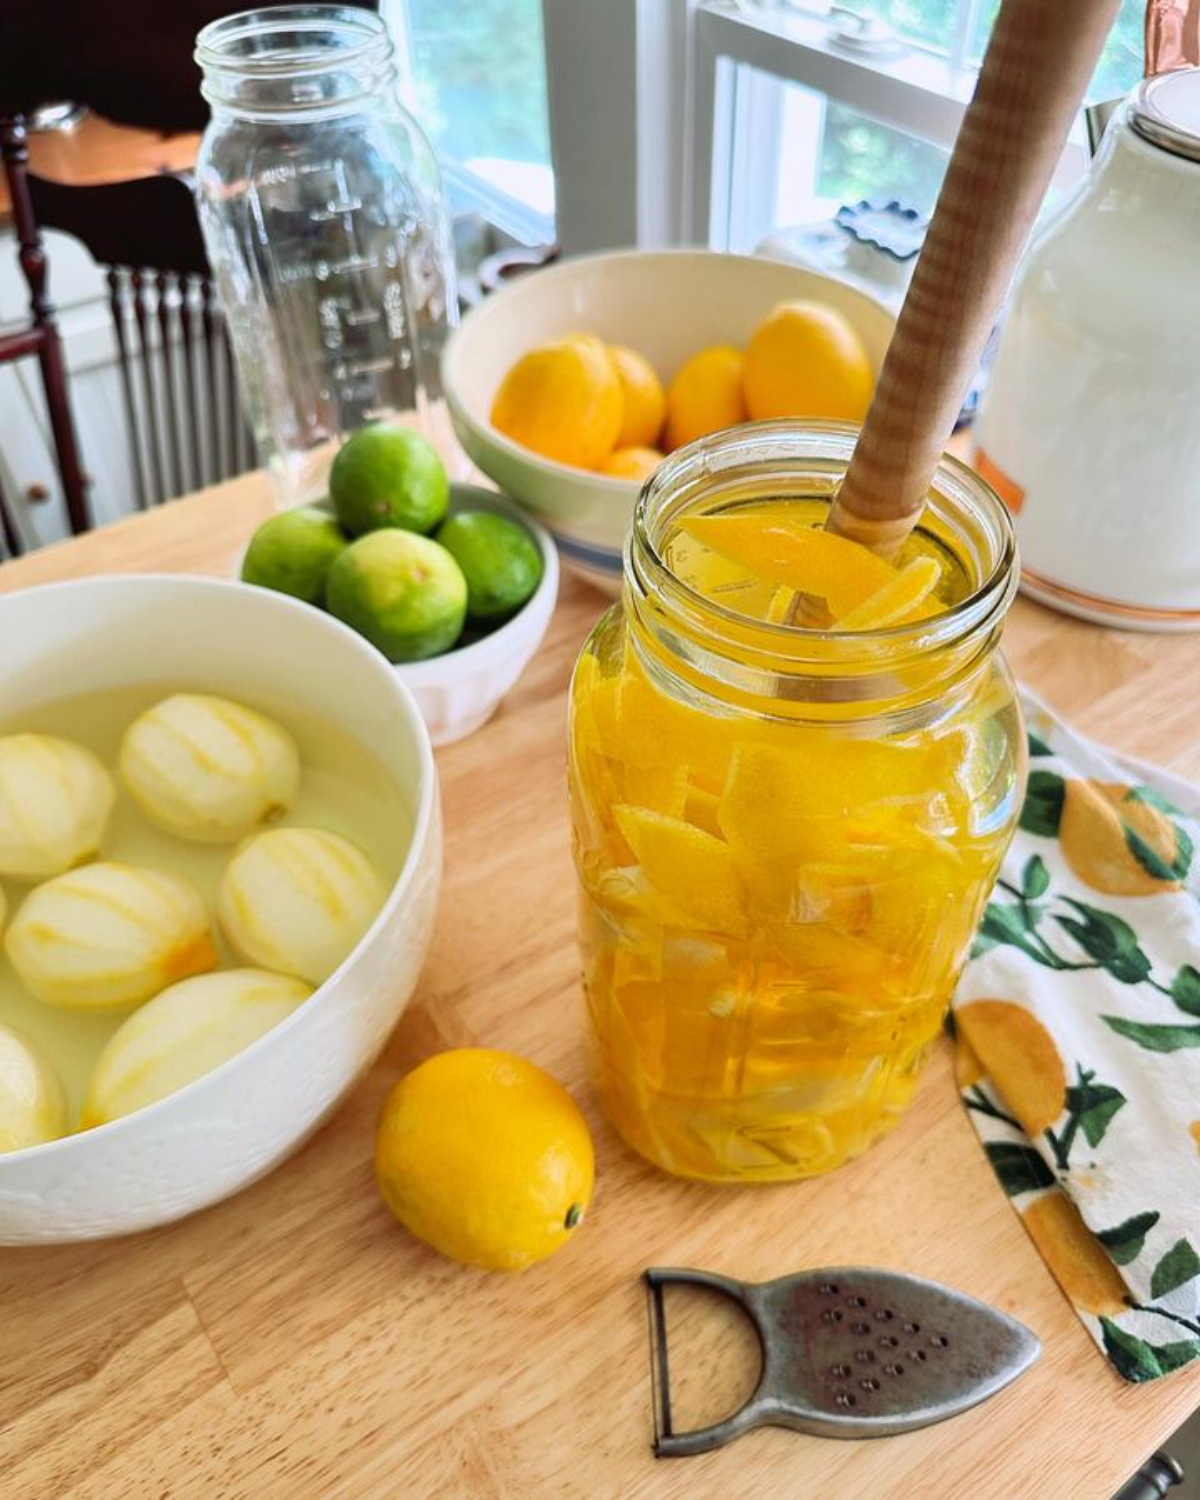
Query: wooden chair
[(178, 383), (176, 375), (40, 339)]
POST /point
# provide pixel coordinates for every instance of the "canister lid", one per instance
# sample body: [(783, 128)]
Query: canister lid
[(1166, 111)]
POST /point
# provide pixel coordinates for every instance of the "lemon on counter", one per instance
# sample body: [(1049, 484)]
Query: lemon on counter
[(33, 1107), (109, 935), (209, 769), (806, 360), (705, 395), (297, 900), (563, 400), (55, 801), (485, 1157), (183, 1033), (644, 401)]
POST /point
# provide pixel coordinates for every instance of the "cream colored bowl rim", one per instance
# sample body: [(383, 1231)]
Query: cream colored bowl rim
[(563, 270), (424, 813)]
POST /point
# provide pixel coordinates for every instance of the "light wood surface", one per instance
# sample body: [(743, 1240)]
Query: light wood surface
[(294, 1341), (1038, 63), (99, 151)]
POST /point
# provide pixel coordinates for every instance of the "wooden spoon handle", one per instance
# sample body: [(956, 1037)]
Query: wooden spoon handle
[(1034, 75)]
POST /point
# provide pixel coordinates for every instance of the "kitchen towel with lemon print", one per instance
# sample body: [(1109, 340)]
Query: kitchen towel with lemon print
[(1078, 1025)]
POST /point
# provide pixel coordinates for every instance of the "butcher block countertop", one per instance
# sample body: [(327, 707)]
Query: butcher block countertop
[(295, 1341)]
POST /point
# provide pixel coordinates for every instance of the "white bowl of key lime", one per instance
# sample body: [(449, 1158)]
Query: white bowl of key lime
[(451, 582)]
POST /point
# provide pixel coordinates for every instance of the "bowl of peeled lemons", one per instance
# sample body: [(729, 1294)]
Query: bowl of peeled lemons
[(451, 582), (569, 386), (220, 855)]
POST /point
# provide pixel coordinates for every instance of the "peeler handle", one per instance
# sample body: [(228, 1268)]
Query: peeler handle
[(667, 1442)]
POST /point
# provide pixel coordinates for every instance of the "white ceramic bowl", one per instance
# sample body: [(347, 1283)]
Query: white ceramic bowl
[(665, 303), (460, 691), (236, 1123)]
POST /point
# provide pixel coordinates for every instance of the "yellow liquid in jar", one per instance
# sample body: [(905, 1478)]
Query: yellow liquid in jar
[(774, 911), (343, 787)]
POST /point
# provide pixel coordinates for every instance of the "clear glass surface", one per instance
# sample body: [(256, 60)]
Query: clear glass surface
[(323, 218), (784, 837)]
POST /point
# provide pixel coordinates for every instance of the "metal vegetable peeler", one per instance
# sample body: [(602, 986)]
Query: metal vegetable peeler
[(848, 1352)]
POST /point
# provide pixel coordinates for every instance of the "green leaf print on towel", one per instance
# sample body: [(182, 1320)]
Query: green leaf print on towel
[(1178, 1265), (1019, 1168), (1107, 939), (1185, 990), (1044, 796), (1137, 1360), (1124, 1241), (1155, 1038)]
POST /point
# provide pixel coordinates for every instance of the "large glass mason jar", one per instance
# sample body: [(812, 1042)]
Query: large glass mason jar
[(784, 836), (323, 219)]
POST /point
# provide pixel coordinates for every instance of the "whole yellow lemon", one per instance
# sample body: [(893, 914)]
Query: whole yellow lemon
[(635, 463), (485, 1157), (705, 395), (805, 360), (645, 401), (563, 400)]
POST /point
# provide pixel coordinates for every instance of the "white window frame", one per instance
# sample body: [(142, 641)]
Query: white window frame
[(672, 82)]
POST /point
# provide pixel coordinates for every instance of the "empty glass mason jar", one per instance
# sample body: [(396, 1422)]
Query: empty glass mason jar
[(785, 836), (322, 212)]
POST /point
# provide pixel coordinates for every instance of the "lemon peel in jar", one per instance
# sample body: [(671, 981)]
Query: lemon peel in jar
[(185, 1032), (208, 769), (297, 900), (55, 801), (109, 935), (33, 1107)]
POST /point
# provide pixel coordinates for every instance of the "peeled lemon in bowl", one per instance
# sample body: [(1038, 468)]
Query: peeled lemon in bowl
[(55, 801), (183, 1033), (297, 900), (209, 769), (33, 1107), (109, 935)]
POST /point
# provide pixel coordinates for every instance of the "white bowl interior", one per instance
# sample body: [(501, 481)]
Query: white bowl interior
[(219, 1132)]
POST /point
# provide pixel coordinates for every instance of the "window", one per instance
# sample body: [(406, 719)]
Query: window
[(474, 73), (803, 122)]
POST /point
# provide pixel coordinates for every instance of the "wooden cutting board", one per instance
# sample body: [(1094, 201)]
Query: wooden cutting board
[(295, 1341)]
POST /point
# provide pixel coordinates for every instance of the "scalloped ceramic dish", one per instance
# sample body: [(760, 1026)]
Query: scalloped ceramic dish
[(235, 1124)]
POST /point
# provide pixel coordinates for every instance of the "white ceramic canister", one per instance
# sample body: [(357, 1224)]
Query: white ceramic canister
[(1090, 426)]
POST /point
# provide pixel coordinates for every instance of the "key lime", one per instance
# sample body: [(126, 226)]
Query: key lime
[(404, 592), (499, 559), (484, 1157), (292, 552), (388, 476)]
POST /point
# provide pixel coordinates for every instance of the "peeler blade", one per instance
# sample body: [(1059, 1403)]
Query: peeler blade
[(848, 1352)]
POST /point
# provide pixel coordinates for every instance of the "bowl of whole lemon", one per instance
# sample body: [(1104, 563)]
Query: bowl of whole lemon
[(568, 386), (220, 856)]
